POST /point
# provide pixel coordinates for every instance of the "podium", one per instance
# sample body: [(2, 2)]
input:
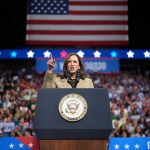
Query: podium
[(56, 133)]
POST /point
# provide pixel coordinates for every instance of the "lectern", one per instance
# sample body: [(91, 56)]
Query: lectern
[(56, 132)]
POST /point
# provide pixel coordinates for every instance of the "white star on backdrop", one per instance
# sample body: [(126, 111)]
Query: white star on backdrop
[(30, 54), (21, 145), (130, 54), (126, 146), (97, 54), (30, 145), (80, 53), (47, 54), (136, 146), (116, 146), (11, 145), (147, 54)]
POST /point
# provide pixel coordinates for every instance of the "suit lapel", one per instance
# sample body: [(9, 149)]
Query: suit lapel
[(81, 83), (65, 84)]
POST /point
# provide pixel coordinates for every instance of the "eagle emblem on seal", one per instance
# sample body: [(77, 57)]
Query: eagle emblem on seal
[(73, 107)]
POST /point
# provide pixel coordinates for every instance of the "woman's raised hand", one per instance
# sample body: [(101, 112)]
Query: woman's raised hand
[(51, 63)]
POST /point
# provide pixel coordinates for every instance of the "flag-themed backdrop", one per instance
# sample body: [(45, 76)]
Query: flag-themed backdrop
[(31, 143), (129, 143), (19, 143), (77, 22), (95, 60), (33, 53)]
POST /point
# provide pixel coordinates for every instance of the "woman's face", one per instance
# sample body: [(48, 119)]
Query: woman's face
[(27, 133), (123, 127), (138, 129), (124, 134), (73, 64), (12, 134)]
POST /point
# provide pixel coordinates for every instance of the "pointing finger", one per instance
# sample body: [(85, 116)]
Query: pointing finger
[(51, 57)]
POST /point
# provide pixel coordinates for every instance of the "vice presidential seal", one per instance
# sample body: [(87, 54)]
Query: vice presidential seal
[(73, 107)]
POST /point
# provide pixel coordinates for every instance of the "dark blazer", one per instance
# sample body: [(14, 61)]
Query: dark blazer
[(52, 81)]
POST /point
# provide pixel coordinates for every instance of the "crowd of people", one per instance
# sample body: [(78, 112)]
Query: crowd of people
[(129, 94)]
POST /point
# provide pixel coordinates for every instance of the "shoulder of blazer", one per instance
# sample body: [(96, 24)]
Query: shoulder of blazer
[(87, 79), (61, 80), (50, 75)]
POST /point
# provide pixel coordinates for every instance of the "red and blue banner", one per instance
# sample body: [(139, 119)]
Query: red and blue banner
[(19, 143)]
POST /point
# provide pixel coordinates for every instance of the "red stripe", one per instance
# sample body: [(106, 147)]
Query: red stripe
[(89, 3), (98, 12), (71, 43), (62, 32), (64, 22)]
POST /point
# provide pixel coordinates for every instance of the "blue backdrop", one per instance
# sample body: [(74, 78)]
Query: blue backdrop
[(90, 64)]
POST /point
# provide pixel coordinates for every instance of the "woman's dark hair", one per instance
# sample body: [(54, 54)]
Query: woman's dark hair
[(135, 130), (83, 75), (123, 129), (29, 130)]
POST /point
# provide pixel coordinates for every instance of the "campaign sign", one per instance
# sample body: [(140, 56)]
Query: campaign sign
[(104, 65)]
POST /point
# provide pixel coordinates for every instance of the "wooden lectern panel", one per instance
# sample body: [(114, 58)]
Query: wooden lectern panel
[(73, 144)]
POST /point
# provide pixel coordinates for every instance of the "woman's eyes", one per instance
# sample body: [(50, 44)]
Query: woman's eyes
[(72, 61)]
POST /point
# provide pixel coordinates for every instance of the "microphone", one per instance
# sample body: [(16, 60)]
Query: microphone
[(78, 74), (67, 74)]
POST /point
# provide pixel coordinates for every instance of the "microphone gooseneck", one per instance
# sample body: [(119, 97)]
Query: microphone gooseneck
[(67, 74), (78, 74)]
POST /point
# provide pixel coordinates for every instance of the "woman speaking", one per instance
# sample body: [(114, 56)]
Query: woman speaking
[(73, 74)]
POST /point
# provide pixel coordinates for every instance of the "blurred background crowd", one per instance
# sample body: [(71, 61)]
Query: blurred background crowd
[(129, 93)]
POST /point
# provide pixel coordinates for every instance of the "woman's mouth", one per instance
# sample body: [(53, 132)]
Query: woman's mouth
[(72, 69)]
